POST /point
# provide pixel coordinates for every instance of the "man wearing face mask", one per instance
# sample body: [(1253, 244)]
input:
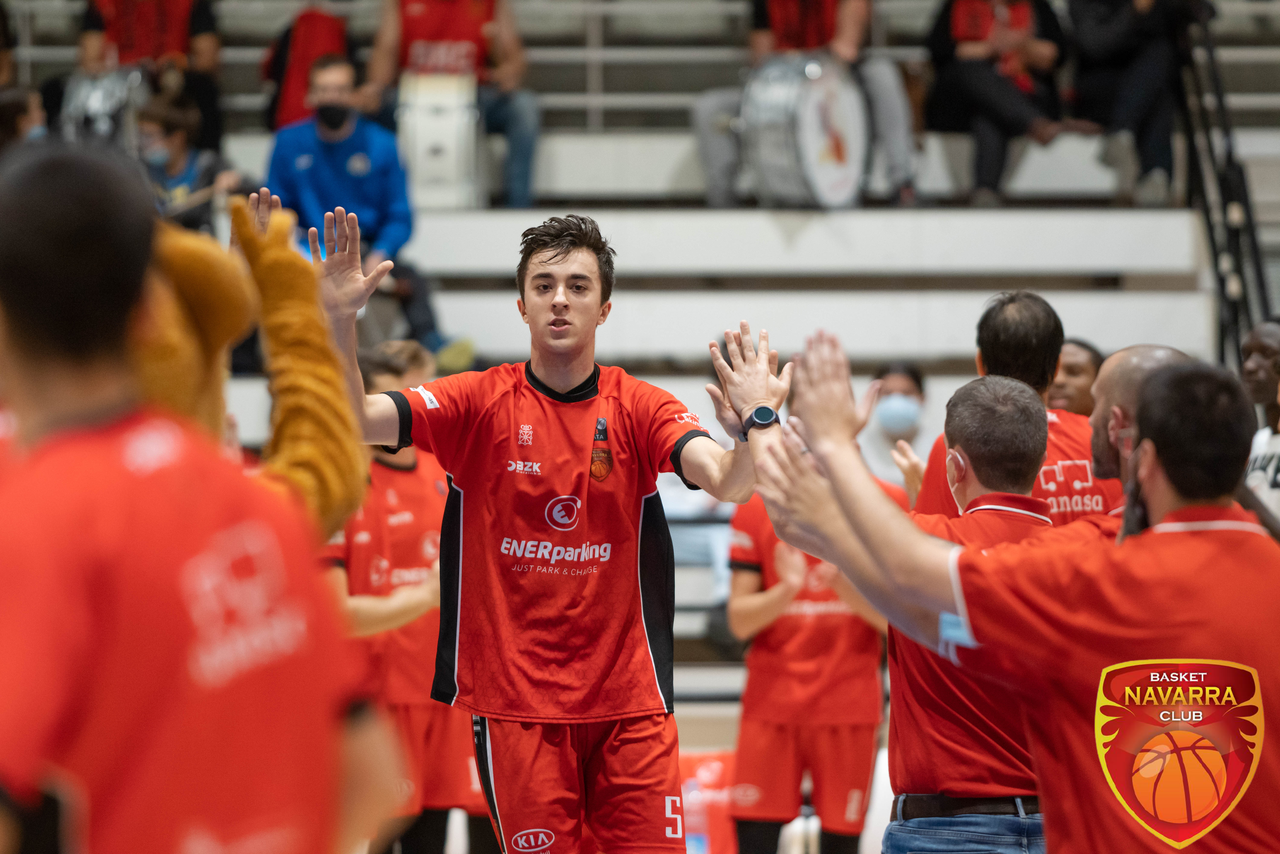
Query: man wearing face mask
[(339, 159), (897, 418)]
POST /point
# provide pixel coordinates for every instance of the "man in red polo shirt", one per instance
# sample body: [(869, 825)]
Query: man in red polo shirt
[(959, 758), (170, 660), (557, 574), (1143, 667), (1020, 336), (813, 696)]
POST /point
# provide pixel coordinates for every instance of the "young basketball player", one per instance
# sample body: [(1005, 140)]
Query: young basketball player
[(557, 573)]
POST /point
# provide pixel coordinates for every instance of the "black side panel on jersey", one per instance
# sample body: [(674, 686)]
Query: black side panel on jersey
[(658, 592), (445, 685), (405, 412)]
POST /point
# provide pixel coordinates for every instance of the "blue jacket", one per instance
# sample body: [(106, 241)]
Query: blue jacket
[(362, 173)]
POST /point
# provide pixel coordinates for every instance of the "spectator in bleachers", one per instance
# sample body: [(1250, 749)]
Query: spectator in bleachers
[(185, 179), (1124, 81), (341, 159), (896, 418), (1260, 372), (841, 26), (450, 37), (1078, 366), (21, 115), (994, 62)]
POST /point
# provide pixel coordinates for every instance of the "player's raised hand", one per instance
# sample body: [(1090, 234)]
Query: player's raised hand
[(344, 287), (749, 377), (823, 398), (261, 205), (912, 468)]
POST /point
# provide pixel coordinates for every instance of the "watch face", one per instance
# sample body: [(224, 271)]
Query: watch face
[(764, 415)]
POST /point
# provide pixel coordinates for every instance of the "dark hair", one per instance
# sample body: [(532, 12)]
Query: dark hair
[(901, 368), (75, 249), (1095, 355), (173, 115), (1020, 336), (15, 101), (329, 60), (1001, 425), (561, 235), (1201, 421)]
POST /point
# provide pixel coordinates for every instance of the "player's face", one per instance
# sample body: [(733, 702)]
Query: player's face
[(562, 301), (1072, 384), (1260, 363)]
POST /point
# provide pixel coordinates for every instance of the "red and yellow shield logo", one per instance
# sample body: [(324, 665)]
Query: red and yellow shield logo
[(1178, 740)]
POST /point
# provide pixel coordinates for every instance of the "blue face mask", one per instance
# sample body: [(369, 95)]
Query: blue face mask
[(898, 414), (37, 132), (157, 157)]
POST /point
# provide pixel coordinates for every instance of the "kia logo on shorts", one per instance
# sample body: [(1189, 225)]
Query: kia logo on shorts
[(528, 841), (562, 513)]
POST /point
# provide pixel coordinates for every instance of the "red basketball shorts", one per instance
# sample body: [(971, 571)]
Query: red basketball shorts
[(544, 782), (772, 759), (439, 760)]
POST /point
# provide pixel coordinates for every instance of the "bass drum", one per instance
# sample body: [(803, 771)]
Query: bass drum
[(806, 132)]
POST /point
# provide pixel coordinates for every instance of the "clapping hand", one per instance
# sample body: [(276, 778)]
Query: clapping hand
[(823, 398), (343, 285), (748, 378)]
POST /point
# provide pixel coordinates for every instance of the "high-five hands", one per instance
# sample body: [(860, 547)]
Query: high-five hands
[(823, 398), (748, 378), (344, 287)]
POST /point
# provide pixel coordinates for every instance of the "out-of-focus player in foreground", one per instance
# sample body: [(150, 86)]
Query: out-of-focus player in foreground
[(1020, 336), (171, 664), (1143, 666), (557, 574), (388, 574), (813, 697)]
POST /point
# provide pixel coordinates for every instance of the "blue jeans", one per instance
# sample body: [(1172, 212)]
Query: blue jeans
[(966, 834), (515, 116)]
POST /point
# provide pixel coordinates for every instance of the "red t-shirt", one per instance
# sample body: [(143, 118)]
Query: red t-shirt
[(168, 646), (798, 24), (557, 575), (445, 36), (818, 663), (1066, 481), (413, 500), (1146, 669), (951, 733)]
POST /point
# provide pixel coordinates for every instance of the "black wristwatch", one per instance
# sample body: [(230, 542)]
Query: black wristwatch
[(761, 416)]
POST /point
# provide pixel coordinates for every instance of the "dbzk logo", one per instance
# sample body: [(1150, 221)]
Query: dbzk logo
[(562, 512), (529, 841)]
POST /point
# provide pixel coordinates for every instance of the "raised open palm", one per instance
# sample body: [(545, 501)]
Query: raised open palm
[(344, 287)]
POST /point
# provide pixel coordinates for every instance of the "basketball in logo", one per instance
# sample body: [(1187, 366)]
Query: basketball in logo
[(1179, 776)]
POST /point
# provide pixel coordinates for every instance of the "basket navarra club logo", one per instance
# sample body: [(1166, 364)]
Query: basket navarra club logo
[(1179, 741)]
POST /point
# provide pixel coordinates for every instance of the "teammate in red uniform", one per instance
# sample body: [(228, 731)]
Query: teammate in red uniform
[(1144, 668), (557, 575), (394, 576), (813, 695), (1020, 336), (170, 662), (959, 758)]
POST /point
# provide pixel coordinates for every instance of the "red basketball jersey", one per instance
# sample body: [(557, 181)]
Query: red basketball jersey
[(413, 502), (951, 733), (445, 36), (557, 574), (1066, 481), (818, 663), (1116, 648), (169, 652)]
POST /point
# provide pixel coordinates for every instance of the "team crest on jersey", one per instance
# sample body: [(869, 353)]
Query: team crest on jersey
[(526, 434), (601, 463), (1179, 741), (602, 430)]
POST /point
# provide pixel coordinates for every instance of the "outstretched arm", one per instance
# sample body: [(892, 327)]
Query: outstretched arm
[(344, 290), (909, 569), (371, 615), (749, 378)]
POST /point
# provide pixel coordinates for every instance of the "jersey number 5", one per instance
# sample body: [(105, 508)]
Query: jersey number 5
[(679, 828)]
